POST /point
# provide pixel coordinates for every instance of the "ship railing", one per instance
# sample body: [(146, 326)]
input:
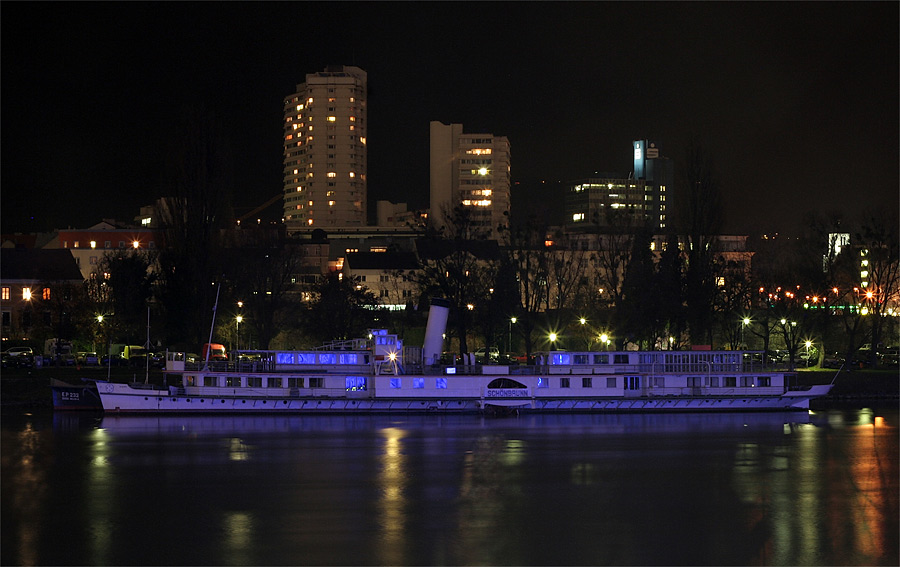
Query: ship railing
[(711, 391), (349, 344)]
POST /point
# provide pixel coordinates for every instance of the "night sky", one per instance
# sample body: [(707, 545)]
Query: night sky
[(796, 102)]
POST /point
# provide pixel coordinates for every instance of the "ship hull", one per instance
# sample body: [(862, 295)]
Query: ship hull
[(124, 398)]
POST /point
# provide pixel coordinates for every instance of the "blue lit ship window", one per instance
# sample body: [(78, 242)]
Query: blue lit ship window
[(561, 359)]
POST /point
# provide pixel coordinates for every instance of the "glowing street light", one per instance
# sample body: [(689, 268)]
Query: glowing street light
[(509, 339)]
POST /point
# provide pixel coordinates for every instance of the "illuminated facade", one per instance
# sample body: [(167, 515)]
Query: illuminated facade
[(624, 201), (472, 170), (325, 157)]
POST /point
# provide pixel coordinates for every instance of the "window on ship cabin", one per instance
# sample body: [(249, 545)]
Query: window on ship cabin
[(563, 382)]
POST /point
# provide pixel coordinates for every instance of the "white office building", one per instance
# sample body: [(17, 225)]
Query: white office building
[(471, 170)]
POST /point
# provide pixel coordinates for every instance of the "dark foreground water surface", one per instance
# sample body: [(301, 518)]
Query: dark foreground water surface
[(650, 489)]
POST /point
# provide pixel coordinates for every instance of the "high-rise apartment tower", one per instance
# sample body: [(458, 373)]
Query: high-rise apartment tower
[(471, 170), (325, 158)]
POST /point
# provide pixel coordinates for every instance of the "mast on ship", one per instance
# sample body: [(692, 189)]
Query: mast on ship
[(212, 326)]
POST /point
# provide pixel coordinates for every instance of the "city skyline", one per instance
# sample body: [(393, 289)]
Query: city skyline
[(796, 103)]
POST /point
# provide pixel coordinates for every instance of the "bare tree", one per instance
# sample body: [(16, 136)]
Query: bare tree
[(263, 263), (879, 257), (700, 218), (530, 262), (458, 265), (192, 220)]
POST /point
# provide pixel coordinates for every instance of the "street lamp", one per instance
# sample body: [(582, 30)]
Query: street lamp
[(237, 328), (808, 344), (552, 340), (509, 340), (744, 322), (604, 338)]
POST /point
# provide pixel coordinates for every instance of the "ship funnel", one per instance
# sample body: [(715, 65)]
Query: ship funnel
[(434, 330)]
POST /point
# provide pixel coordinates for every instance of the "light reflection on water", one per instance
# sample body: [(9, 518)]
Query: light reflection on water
[(768, 489)]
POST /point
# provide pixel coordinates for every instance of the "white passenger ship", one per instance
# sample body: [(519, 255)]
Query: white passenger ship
[(379, 375)]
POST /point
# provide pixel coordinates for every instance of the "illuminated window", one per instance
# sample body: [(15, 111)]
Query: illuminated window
[(308, 101), (362, 139), (332, 174), (352, 174), (75, 244), (352, 119), (578, 217), (5, 294), (45, 293), (332, 119), (26, 293)]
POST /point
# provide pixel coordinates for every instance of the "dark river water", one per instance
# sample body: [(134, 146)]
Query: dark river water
[(648, 489)]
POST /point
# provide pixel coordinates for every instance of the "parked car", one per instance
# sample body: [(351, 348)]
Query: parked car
[(18, 357), (833, 360), (487, 355), (87, 358), (19, 350), (114, 360), (157, 359)]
